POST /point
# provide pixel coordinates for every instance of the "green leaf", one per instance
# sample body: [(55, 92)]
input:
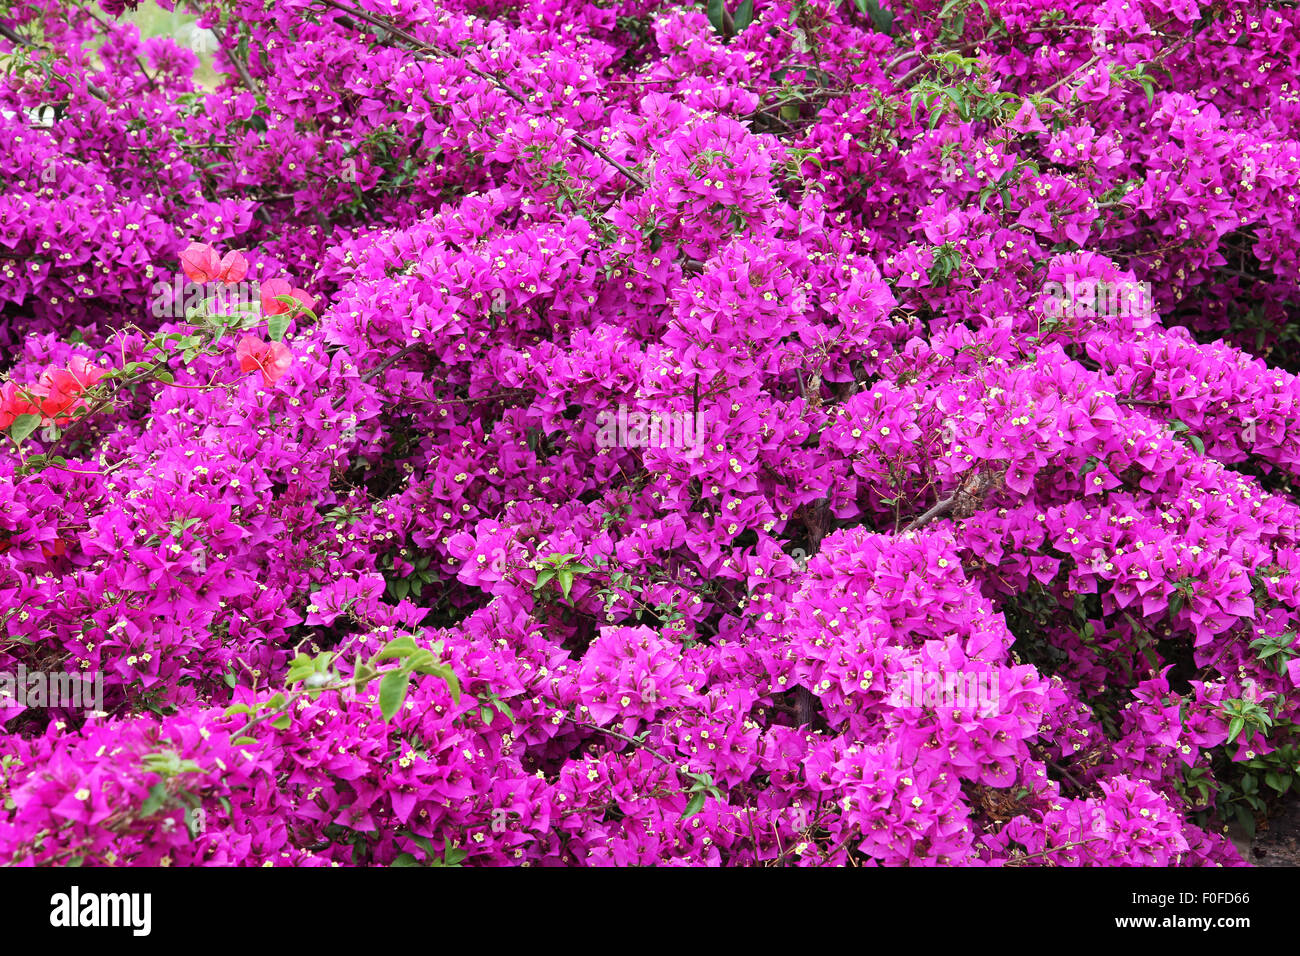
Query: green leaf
[(542, 578), (954, 96), (403, 646), (451, 858), (392, 692), (715, 15), (882, 20), (565, 578), (1089, 466), (166, 377), (1197, 444), (946, 260), (422, 661), (405, 859), (695, 806), (1235, 727), (154, 802), (282, 723), (276, 325), (450, 679), (300, 668), (1175, 603), (744, 14), (23, 426)]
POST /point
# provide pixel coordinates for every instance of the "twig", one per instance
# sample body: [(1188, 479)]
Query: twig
[(1141, 401), (388, 362), (494, 80), (632, 740), (13, 37), (240, 66), (938, 511), (138, 62), (1055, 849)]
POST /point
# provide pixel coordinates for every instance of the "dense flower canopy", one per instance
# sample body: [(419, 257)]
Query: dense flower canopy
[(789, 432)]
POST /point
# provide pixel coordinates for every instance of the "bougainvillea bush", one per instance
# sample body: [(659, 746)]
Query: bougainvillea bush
[(786, 432)]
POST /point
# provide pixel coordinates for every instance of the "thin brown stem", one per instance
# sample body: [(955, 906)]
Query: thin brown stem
[(496, 81)]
